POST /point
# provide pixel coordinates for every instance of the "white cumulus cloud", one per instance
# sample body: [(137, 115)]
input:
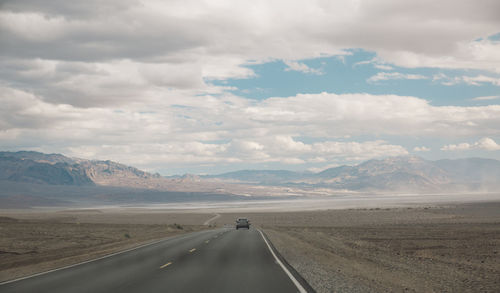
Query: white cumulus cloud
[(113, 78), (486, 98), (151, 47), (477, 80), (301, 67), (421, 149), (485, 143), (394, 75), (209, 130)]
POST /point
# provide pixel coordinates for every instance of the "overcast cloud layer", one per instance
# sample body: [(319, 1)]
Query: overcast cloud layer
[(135, 81)]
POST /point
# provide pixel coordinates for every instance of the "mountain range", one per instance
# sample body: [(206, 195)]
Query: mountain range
[(56, 169), (392, 174), (33, 179), (406, 173)]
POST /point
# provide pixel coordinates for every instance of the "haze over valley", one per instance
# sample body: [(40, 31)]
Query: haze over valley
[(31, 179)]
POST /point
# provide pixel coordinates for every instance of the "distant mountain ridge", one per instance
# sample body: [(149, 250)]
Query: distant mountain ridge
[(56, 169), (259, 176), (406, 173), (396, 174), (30, 171), (39, 157)]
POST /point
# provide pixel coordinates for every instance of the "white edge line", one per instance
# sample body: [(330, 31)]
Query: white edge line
[(295, 282), (92, 260)]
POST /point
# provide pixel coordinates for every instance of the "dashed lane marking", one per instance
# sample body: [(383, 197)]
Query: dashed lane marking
[(192, 250), (166, 265)]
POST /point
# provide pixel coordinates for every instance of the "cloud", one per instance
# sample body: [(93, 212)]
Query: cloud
[(324, 115), (477, 80), (421, 149), (22, 110), (358, 151), (115, 78), (466, 54), (331, 115), (265, 150), (485, 143), (301, 67), (230, 129), (196, 32), (456, 147), (486, 98), (383, 67), (480, 79), (488, 144), (394, 75), (376, 62), (78, 55)]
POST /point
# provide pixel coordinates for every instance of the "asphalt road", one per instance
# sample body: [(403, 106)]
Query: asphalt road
[(223, 260)]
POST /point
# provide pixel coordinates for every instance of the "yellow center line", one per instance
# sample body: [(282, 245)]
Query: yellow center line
[(192, 250), (166, 265)]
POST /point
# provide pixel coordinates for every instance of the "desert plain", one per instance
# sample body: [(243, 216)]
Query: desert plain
[(433, 247)]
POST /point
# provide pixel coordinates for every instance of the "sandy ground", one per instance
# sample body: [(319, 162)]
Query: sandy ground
[(431, 249), (32, 242), (437, 247)]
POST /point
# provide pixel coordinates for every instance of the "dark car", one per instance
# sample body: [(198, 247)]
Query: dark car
[(242, 223)]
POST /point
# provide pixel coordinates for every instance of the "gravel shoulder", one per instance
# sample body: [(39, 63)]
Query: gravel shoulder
[(427, 249)]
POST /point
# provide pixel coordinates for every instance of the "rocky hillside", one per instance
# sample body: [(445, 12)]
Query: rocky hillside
[(407, 173), (397, 174), (56, 169), (39, 157), (43, 172), (107, 172)]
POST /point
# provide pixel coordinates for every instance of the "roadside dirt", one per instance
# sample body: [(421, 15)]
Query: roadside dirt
[(447, 248), (46, 241), (428, 249)]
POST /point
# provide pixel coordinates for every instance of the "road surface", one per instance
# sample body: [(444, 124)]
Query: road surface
[(223, 260), (207, 222)]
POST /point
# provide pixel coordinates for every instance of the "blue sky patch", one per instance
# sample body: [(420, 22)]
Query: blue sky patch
[(346, 75)]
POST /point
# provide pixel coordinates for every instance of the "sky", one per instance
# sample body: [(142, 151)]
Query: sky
[(213, 86)]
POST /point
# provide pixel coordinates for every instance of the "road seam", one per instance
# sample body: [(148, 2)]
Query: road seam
[(278, 261)]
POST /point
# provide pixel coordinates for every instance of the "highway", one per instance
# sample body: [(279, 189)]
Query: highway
[(222, 260)]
